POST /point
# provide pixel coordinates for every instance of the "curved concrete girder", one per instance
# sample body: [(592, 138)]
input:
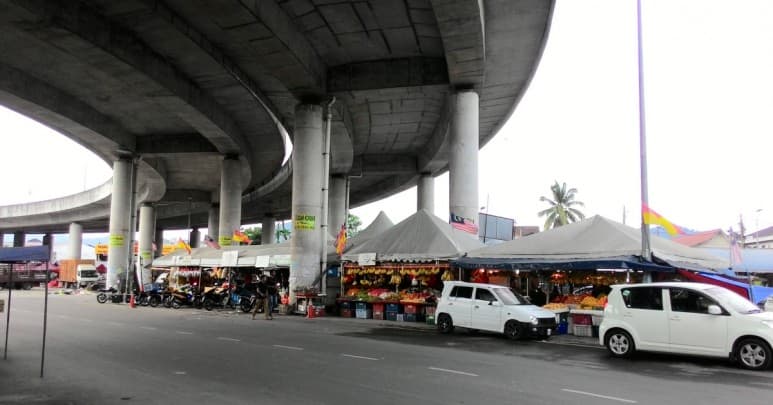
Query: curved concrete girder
[(389, 186), (186, 99), (66, 114), (366, 165), (462, 27)]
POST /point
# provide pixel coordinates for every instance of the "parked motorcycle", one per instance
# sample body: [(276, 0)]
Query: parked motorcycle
[(111, 294), (215, 297)]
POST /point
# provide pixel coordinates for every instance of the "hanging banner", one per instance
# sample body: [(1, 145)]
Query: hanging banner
[(116, 240), (366, 259), (262, 261), (230, 258), (100, 249), (305, 222)]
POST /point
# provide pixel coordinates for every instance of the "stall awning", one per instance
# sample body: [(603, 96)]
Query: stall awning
[(630, 262)]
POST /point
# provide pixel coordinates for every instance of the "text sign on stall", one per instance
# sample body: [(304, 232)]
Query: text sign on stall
[(262, 261), (230, 258), (366, 259)]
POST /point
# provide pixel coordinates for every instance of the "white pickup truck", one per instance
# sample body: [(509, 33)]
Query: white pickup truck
[(86, 275)]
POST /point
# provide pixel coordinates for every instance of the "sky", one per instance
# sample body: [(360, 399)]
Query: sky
[(708, 102)]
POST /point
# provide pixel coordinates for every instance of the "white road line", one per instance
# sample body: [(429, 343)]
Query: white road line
[(86, 320), (288, 347), (359, 357), (180, 372), (116, 323), (228, 339), (445, 370), (184, 333), (148, 327), (590, 394)]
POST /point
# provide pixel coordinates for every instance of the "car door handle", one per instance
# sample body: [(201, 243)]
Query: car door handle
[(675, 318), (627, 315), (476, 307)]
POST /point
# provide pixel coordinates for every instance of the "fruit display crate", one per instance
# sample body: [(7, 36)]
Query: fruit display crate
[(583, 330)]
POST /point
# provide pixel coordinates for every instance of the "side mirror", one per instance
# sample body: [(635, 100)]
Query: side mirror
[(715, 310)]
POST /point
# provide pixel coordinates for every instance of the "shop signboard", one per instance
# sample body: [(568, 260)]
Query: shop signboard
[(304, 222), (116, 240), (366, 259)]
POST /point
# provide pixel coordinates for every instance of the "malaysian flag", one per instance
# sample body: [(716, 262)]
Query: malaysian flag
[(211, 242), (464, 224)]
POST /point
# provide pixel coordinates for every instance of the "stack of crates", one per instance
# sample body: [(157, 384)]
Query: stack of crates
[(347, 309), (378, 311), (363, 312), (412, 313), (391, 312), (582, 325), (429, 314)]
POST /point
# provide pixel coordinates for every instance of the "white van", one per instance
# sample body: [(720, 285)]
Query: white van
[(86, 274), (687, 318), (493, 308)]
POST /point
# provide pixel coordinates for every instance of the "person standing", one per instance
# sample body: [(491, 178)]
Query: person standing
[(271, 286), (262, 298)]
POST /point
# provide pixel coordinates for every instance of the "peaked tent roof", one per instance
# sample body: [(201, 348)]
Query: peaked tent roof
[(596, 242), (420, 237), (379, 225)]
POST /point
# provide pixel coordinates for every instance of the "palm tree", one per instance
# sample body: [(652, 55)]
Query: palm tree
[(561, 210)]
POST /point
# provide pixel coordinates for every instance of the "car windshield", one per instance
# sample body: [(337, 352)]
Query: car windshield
[(508, 297), (732, 300)]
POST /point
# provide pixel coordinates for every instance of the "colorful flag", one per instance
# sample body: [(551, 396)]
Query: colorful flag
[(211, 242), (183, 245), (464, 224), (341, 240), (240, 236), (651, 217)]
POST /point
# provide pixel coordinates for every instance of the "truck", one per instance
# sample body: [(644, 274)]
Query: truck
[(21, 276), (70, 272)]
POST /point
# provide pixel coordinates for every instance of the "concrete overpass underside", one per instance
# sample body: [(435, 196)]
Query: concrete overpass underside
[(180, 84)]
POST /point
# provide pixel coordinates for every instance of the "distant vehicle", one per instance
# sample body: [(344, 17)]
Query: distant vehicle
[(86, 274), (687, 318), (491, 308), (23, 276)]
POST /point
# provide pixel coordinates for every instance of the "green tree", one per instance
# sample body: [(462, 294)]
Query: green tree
[(561, 210), (353, 224), (254, 235), (282, 234)]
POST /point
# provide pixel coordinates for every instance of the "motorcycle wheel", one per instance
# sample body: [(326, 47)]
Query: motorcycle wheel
[(144, 300), (154, 301), (168, 302), (209, 304), (246, 306), (101, 298), (176, 304)]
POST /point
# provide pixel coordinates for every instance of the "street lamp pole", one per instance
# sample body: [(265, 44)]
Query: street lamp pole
[(485, 219)]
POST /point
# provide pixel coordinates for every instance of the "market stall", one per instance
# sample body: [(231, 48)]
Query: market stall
[(398, 275), (571, 267)]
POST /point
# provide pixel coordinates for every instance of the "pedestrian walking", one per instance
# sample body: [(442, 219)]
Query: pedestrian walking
[(271, 286), (262, 298)]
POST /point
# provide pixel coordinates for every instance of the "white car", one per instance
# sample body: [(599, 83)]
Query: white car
[(687, 318), (493, 308)]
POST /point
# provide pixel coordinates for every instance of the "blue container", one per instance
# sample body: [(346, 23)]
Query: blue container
[(392, 308), (562, 329), (362, 306)]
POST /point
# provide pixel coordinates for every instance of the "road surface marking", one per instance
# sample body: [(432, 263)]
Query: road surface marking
[(184, 333), (180, 372), (86, 320), (628, 401), (359, 357), (288, 347), (228, 339), (445, 370), (115, 323), (148, 327)]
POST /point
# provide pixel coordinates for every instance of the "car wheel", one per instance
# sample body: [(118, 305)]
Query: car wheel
[(445, 324), (619, 343), (101, 298), (753, 354), (514, 330)]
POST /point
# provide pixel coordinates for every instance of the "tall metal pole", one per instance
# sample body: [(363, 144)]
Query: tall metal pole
[(8, 314), (45, 320), (133, 225), (325, 195), (645, 229)]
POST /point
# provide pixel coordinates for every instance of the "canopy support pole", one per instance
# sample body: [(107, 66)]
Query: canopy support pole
[(8, 314)]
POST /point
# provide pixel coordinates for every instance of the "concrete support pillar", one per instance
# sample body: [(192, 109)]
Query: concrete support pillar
[(268, 231), (147, 233), (75, 244), (120, 221), (213, 224), (18, 238), (306, 198), (230, 200), (194, 237), (2, 239), (425, 193), (336, 204), (463, 164), (159, 238)]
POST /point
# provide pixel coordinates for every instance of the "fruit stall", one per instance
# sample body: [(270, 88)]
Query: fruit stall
[(392, 291)]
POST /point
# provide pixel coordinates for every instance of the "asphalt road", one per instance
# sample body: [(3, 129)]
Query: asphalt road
[(111, 354)]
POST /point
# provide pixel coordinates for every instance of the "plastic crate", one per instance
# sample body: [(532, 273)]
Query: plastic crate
[(362, 305), (581, 319), (430, 320), (596, 320), (378, 315), (364, 314), (390, 316), (392, 308), (378, 308), (346, 305), (429, 310), (583, 330), (412, 317), (347, 313), (410, 308)]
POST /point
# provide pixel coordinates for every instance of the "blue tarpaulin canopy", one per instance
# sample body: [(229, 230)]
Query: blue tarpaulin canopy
[(758, 293), (24, 254)]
